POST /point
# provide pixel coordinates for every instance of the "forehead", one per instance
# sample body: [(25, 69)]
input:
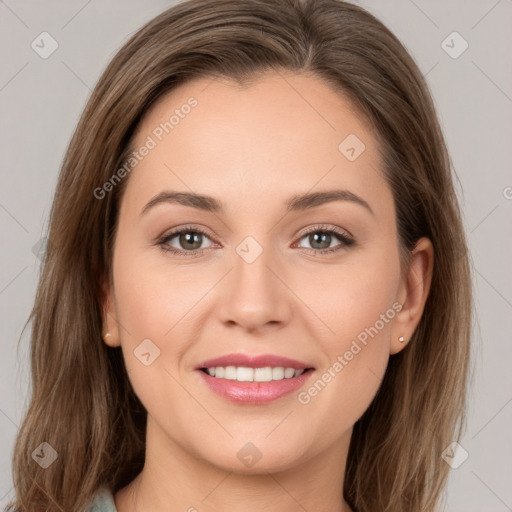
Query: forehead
[(284, 103), (279, 132)]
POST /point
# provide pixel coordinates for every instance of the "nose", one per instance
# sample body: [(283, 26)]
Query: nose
[(255, 296)]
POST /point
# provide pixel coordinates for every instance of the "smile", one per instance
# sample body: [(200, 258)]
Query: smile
[(245, 374)]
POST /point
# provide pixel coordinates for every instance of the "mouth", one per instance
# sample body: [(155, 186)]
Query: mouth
[(252, 380)]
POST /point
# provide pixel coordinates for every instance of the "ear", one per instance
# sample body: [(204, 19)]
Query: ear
[(413, 294), (110, 326)]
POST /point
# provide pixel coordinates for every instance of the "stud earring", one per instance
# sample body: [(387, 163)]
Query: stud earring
[(107, 335), (401, 339)]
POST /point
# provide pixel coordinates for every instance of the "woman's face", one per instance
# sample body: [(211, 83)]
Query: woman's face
[(290, 170)]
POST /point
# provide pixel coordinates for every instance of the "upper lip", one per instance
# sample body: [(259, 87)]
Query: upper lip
[(254, 361)]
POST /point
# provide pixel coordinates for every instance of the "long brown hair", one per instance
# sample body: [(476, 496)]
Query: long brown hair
[(82, 402)]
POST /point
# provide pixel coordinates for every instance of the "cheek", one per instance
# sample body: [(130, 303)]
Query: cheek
[(351, 298), (357, 305), (151, 304), (153, 299), (157, 305)]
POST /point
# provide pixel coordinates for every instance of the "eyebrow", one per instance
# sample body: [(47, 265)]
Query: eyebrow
[(298, 202)]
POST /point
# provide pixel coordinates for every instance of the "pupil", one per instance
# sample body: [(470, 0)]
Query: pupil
[(323, 237), (188, 238)]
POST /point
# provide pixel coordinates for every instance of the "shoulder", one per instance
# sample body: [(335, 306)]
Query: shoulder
[(102, 501)]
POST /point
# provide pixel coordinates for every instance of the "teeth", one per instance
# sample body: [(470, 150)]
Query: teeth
[(229, 372), (244, 374), (289, 373), (278, 373), (263, 374)]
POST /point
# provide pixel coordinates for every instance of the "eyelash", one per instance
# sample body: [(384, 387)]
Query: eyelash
[(346, 240)]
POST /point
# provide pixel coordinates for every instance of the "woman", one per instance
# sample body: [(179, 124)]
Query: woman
[(181, 357)]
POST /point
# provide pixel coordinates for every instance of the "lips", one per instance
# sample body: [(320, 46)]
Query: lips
[(256, 392), (250, 361)]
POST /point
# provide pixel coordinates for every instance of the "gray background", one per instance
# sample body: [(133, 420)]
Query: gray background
[(41, 100)]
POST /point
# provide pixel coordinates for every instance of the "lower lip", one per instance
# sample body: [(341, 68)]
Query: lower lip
[(254, 392)]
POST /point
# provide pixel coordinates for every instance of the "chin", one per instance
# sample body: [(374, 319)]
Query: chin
[(256, 457)]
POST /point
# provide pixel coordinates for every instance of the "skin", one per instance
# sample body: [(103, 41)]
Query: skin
[(252, 148)]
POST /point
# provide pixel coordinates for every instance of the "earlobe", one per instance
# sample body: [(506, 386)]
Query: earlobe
[(413, 294), (110, 330)]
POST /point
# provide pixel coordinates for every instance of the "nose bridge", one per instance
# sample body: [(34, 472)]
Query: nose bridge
[(255, 296)]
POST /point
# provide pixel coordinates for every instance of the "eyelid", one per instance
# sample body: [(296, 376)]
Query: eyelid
[(326, 227)]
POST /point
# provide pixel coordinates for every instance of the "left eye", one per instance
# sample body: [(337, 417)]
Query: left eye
[(323, 238)]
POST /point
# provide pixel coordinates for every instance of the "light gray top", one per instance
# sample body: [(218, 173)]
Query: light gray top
[(103, 501)]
